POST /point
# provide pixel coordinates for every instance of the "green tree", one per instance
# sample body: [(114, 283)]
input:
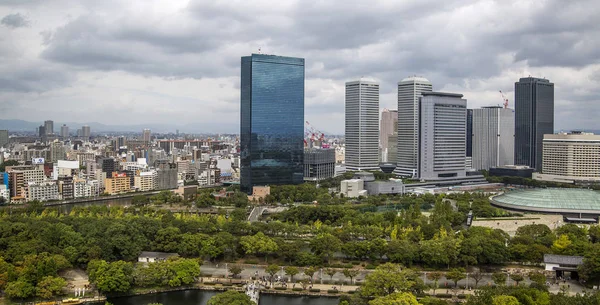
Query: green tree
[(235, 270), (351, 274), (456, 274), (325, 245), (50, 286), (517, 277), (291, 271), (398, 298), (477, 276), (8, 163), (331, 272), (111, 277), (387, 279), (499, 278), (184, 271), (19, 289), (505, 300), (258, 244), (230, 297), (537, 277), (310, 271), (435, 276), (272, 270)]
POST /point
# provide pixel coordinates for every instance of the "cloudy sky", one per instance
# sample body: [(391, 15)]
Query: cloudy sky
[(178, 61)]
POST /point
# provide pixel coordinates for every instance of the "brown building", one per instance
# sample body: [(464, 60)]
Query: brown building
[(118, 183)]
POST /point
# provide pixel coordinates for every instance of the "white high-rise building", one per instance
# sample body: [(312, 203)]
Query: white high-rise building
[(493, 137), (64, 131), (362, 125), (409, 91), (442, 136)]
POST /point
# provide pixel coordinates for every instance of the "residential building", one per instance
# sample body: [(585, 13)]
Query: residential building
[(4, 194), (86, 188), (64, 131), (362, 125), (57, 151), (117, 183), (66, 187), (3, 138), (388, 127), (493, 132), (108, 165), (534, 117), (49, 127), (44, 191), (146, 135), (442, 136), (352, 188), (272, 121), (571, 158), (146, 181), (409, 92), (166, 176), (319, 163), (20, 177)]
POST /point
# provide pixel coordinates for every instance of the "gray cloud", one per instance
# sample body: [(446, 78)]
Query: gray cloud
[(15, 21), (475, 47)]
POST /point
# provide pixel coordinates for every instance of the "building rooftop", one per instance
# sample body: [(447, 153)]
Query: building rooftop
[(447, 94), (563, 259), (157, 255), (416, 79), (551, 200)]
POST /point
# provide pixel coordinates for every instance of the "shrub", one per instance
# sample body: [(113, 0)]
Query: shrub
[(210, 283), (280, 288), (314, 290), (227, 284), (444, 295), (296, 289), (370, 266), (462, 296), (251, 262), (332, 291), (355, 263)]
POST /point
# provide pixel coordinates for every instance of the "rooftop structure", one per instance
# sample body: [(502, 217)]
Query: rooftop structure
[(551, 200)]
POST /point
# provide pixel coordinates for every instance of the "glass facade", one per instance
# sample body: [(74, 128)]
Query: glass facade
[(272, 121), (534, 117)]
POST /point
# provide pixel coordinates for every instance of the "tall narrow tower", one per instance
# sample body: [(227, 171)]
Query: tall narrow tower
[(409, 91), (362, 125), (272, 121), (534, 117)]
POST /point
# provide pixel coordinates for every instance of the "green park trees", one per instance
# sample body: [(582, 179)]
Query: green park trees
[(258, 244), (387, 279), (230, 297), (455, 275)]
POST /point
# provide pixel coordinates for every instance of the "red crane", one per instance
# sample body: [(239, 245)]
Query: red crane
[(313, 134), (504, 100)]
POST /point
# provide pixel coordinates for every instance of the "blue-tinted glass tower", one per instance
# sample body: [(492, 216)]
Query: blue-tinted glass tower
[(272, 121)]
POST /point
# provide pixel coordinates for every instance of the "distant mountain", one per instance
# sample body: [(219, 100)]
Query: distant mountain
[(21, 125)]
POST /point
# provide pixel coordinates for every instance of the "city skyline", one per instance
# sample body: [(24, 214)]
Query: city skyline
[(86, 62)]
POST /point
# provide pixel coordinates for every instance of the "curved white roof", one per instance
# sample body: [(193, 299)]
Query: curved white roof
[(415, 79)]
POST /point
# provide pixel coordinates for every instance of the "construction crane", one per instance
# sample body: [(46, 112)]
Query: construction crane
[(504, 100), (312, 134)]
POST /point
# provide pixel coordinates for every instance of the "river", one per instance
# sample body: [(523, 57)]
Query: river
[(200, 297)]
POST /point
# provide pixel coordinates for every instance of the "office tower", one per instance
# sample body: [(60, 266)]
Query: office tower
[(109, 165), (3, 138), (64, 131), (409, 91), (442, 136), (49, 127), (146, 135), (389, 126), (362, 125), (85, 131), (493, 137), (534, 117), (272, 121)]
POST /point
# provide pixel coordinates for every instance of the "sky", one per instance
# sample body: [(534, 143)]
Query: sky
[(178, 61)]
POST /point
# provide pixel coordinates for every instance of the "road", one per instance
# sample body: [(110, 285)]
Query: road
[(219, 270)]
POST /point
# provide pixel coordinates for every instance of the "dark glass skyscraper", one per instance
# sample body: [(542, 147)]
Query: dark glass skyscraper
[(469, 152), (272, 121), (534, 117)]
